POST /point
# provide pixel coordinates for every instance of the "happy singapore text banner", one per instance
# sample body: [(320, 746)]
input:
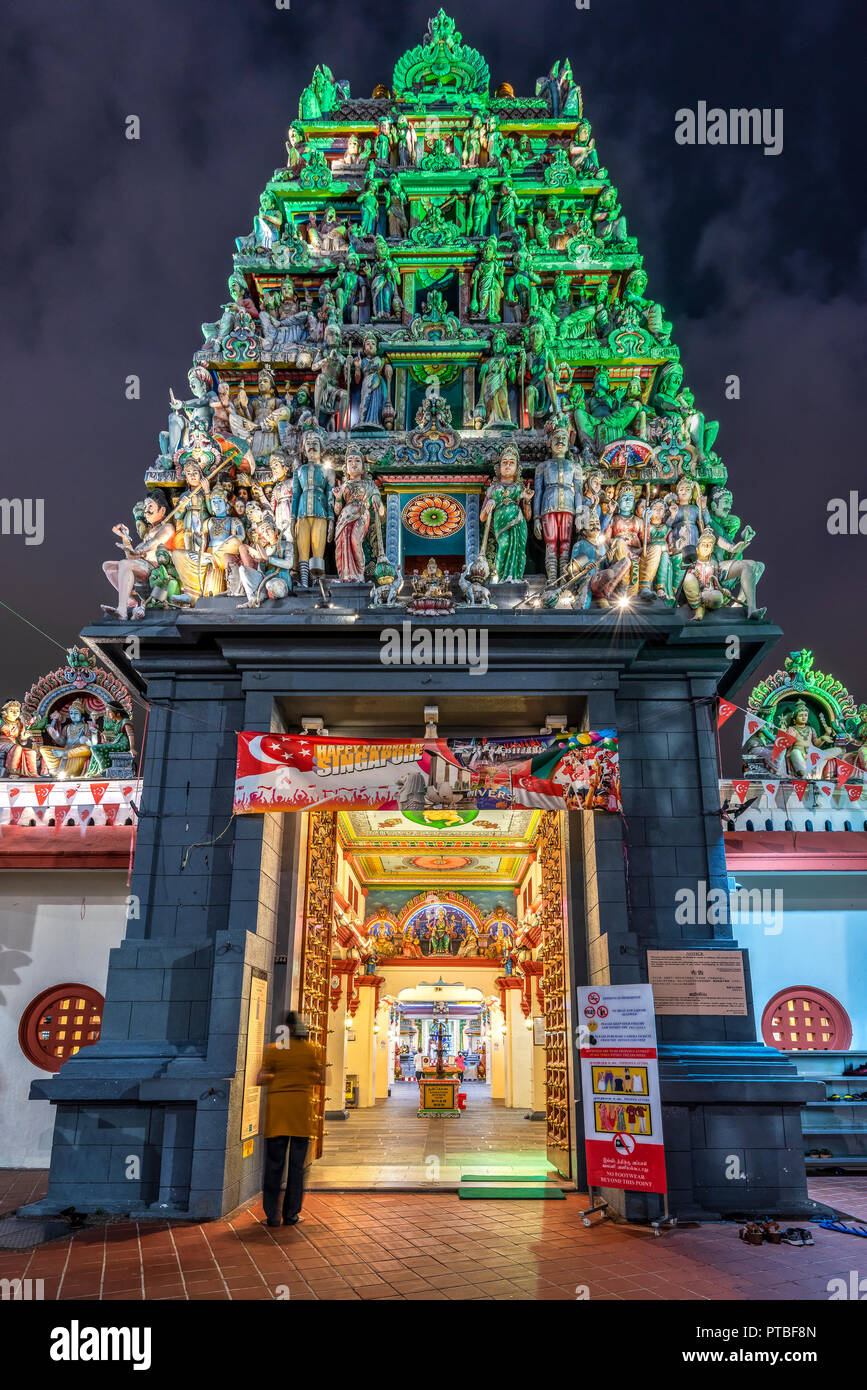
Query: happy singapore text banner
[(426, 778)]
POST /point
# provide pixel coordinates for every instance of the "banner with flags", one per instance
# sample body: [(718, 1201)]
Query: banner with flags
[(432, 781)]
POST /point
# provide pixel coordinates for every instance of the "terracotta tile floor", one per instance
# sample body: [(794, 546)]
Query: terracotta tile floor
[(423, 1247)]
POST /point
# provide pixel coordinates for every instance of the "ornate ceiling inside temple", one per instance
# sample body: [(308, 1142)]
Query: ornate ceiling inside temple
[(387, 848)]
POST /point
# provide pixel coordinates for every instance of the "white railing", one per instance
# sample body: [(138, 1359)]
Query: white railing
[(80, 803), (773, 804)]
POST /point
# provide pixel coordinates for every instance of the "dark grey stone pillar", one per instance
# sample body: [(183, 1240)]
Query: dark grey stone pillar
[(731, 1106)]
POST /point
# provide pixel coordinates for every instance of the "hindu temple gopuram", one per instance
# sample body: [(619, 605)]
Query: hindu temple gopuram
[(431, 587)]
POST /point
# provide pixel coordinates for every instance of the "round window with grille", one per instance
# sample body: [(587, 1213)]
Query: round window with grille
[(803, 1019), (58, 1023)]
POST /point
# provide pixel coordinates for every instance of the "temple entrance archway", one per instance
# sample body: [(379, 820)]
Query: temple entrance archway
[(409, 935)]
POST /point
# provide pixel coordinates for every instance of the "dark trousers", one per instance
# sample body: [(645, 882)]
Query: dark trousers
[(275, 1157)]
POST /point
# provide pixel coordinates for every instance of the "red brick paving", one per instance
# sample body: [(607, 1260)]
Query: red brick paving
[(427, 1247)]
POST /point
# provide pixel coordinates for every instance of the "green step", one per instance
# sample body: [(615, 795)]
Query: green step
[(509, 1177), (524, 1194)]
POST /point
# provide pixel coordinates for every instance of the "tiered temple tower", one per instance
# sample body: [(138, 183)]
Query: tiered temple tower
[(439, 387)]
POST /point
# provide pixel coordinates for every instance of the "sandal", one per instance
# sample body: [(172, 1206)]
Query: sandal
[(771, 1232), (751, 1233), (841, 1226)]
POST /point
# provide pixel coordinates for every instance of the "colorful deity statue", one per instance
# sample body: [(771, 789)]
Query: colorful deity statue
[(638, 311), (396, 205), (522, 292), (331, 392), (654, 566), (613, 578), (487, 284), (572, 587), (138, 559), (507, 507), (480, 208), (738, 574), (540, 366), (312, 508), (270, 573), (582, 152), (368, 202), (374, 374), (623, 524), (19, 755), (508, 208), (495, 373), (798, 760), (671, 398), (354, 498), (252, 418), (197, 413), (610, 410), (322, 94), (702, 586), (386, 302), (294, 145), (74, 735), (225, 536), (557, 494)]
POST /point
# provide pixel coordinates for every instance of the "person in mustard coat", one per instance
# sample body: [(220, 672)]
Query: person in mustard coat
[(291, 1071)]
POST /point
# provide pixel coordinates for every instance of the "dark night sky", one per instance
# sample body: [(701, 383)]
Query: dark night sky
[(114, 252)]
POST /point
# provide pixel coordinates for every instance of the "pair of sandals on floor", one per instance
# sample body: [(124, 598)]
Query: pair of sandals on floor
[(757, 1232)]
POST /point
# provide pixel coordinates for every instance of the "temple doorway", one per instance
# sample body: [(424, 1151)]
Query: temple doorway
[(439, 945)]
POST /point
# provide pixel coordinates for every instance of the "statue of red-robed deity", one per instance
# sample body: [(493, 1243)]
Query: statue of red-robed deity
[(354, 499)]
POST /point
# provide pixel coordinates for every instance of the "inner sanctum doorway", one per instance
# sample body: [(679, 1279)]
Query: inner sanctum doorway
[(440, 943)]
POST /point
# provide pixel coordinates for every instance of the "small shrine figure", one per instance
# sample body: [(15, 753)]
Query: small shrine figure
[(798, 761), (507, 506), (73, 734), (312, 509), (354, 498)]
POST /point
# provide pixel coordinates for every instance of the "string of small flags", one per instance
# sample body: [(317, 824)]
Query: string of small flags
[(783, 740)]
